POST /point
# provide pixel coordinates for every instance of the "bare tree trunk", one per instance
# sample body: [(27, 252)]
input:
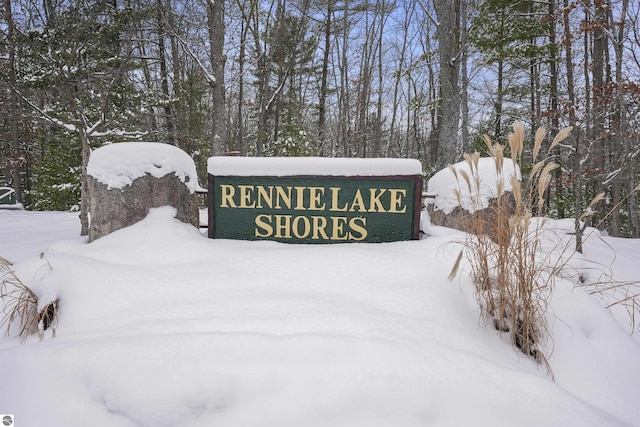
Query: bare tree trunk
[(431, 153), (179, 113), (553, 95), (50, 13), (153, 122), (377, 136), (364, 86), (344, 83), (447, 12), (84, 186), (15, 157), (587, 82), (464, 57), (623, 131), (322, 104), (409, 11), (619, 117), (497, 133), (598, 73), (240, 146), (264, 69), (215, 12), (633, 202), (534, 69), (164, 75), (577, 172)]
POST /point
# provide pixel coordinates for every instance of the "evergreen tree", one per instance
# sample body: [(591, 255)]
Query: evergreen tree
[(56, 174), (77, 69), (511, 37)]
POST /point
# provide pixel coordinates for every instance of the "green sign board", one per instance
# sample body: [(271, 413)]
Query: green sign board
[(315, 209)]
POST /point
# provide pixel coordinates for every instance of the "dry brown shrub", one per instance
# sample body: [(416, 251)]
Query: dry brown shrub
[(19, 306)]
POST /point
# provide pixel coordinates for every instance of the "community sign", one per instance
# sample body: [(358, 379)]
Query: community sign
[(314, 200)]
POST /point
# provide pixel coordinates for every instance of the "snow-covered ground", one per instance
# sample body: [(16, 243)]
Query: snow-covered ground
[(160, 326)]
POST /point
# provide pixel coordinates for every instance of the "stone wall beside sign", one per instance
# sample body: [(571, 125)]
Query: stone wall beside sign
[(127, 179), (492, 223), (314, 200), (472, 205)]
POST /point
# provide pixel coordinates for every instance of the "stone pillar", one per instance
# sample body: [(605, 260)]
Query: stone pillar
[(127, 179)]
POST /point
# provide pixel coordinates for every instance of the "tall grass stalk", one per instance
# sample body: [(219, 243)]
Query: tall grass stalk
[(512, 284)]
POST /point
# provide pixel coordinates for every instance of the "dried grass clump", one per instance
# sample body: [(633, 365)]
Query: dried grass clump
[(613, 293), (20, 306), (622, 294), (513, 285)]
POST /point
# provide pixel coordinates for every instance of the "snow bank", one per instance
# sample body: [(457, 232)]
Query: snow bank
[(12, 207), (444, 185), (160, 326), (295, 166), (24, 234), (118, 165)]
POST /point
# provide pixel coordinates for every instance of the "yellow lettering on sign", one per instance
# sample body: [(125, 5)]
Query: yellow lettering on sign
[(396, 204), (265, 197), (282, 196), (246, 191), (315, 196), (335, 192), (286, 226), (358, 202), (375, 205), (319, 226), (322, 201), (283, 226), (358, 228), (338, 232), (300, 199), (228, 191), (263, 222), (296, 227)]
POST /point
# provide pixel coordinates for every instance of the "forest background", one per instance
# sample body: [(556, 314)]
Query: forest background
[(423, 79)]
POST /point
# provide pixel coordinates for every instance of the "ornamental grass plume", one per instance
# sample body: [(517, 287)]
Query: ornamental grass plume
[(512, 283)]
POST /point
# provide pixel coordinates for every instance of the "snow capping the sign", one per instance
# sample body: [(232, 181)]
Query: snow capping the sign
[(443, 185), (118, 165), (304, 166)]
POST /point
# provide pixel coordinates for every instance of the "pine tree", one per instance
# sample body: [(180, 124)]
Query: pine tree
[(511, 37), (77, 69)]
